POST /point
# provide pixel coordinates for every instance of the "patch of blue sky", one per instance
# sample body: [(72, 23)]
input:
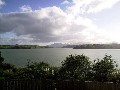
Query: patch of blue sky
[(8, 35), (13, 5)]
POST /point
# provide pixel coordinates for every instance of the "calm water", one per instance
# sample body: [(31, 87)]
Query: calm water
[(54, 56)]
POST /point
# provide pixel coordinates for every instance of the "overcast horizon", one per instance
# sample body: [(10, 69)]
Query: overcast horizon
[(44, 22)]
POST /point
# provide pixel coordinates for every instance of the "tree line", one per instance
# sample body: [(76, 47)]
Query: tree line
[(74, 67), (97, 46), (21, 46)]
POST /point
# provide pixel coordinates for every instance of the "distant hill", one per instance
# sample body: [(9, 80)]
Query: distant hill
[(98, 46), (69, 46), (57, 45), (60, 45)]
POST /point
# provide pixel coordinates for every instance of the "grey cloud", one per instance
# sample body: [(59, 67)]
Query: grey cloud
[(39, 27)]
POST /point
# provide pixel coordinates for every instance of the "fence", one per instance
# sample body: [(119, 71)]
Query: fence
[(55, 85), (26, 85)]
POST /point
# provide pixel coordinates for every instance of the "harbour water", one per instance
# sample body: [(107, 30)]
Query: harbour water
[(54, 56)]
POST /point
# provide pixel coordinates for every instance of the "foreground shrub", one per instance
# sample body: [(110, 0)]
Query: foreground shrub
[(103, 69), (75, 67)]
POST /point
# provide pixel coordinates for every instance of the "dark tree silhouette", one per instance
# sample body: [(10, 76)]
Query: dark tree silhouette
[(1, 59)]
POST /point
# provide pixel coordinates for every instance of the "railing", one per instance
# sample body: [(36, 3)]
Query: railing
[(55, 85)]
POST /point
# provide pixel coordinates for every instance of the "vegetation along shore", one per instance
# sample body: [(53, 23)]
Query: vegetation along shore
[(74, 67)]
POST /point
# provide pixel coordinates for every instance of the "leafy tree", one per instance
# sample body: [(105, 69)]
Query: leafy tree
[(75, 67), (36, 70), (103, 69), (40, 70)]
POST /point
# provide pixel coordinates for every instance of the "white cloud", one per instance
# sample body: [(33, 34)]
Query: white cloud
[(45, 25), (25, 8), (102, 4), (88, 6), (65, 2), (52, 24), (2, 3)]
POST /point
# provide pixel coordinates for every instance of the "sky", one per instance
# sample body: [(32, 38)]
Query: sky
[(43, 22)]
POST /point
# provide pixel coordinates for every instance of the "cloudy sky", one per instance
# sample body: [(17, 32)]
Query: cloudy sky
[(44, 22)]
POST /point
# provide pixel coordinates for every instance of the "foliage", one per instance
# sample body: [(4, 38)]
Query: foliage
[(36, 70), (1, 59), (115, 76), (102, 69), (21, 46), (75, 67)]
